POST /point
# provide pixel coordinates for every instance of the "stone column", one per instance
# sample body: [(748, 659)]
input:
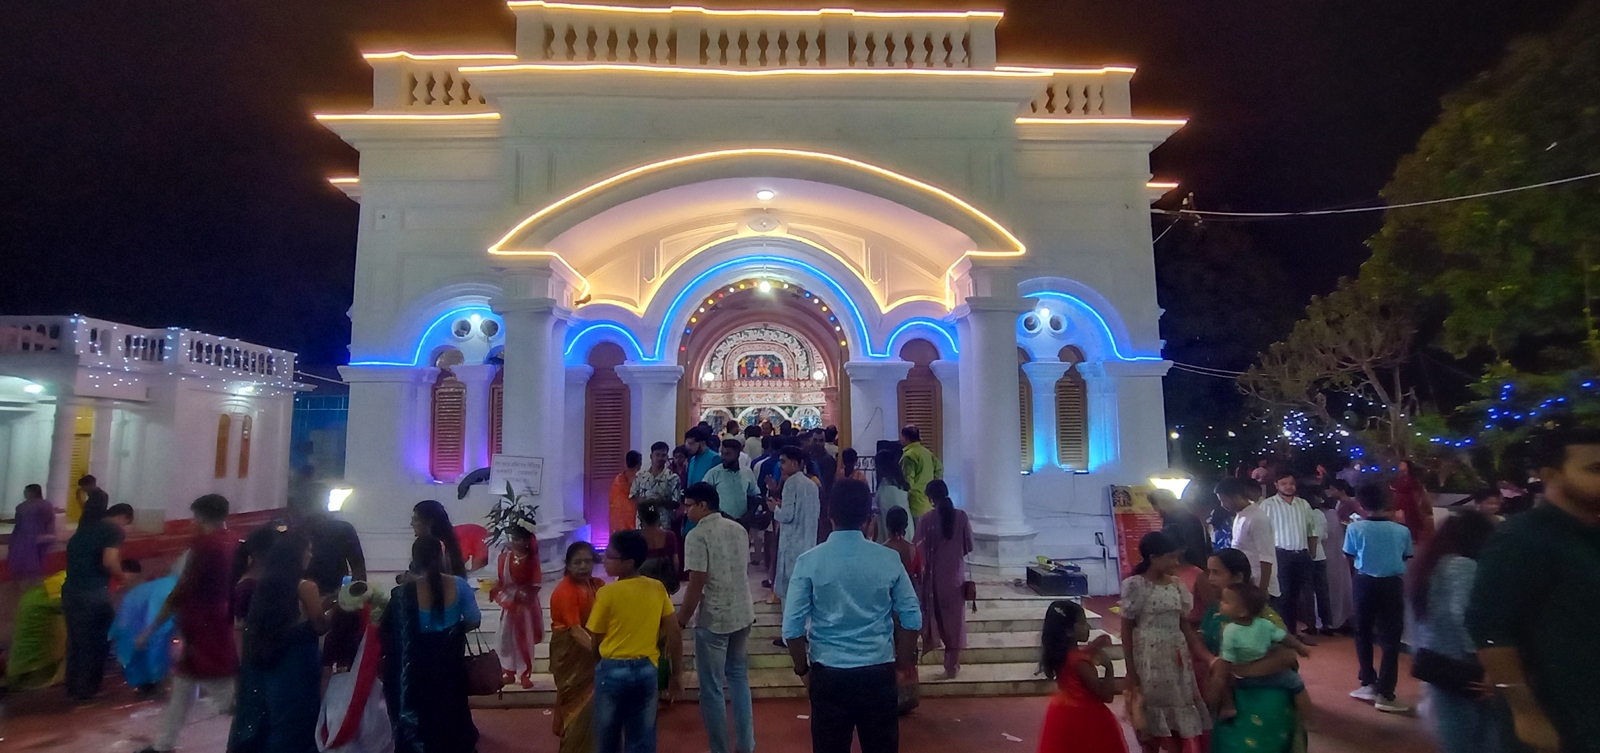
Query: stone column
[(654, 396), (534, 406), (1003, 540), (1128, 395), (874, 401), (59, 485), (100, 443), (957, 469), (387, 443), (1042, 377), (577, 379), (476, 377)]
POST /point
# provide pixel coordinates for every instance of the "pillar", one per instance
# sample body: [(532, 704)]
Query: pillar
[(1042, 377), (654, 394), (874, 401), (1130, 394), (534, 406), (1003, 540), (576, 399), (59, 486), (100, 445), (957, 470), (387, 441), (476, 378)]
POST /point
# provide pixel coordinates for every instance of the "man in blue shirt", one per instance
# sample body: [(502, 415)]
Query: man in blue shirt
[(701, 457), (838, 621), (1380, 547)]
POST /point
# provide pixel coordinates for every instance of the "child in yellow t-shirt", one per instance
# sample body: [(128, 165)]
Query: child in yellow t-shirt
[(631, 618)]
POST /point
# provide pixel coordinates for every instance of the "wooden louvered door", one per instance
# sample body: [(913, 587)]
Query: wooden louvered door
[(1025, 395), (921, 401), (448, 432), (1072, 421), (607, 427), (497, 410)]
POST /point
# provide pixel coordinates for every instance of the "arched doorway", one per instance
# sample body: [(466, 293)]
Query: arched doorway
[(606, 429), (763, 349), (920, 395)]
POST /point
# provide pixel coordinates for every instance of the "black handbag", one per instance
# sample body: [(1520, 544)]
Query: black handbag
[(1446, 672)]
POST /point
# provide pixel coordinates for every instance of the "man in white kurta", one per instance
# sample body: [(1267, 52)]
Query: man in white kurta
[(797, 515)]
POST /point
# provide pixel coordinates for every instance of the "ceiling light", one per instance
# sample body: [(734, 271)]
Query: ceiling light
[(1044, 313), (818, 375), (708, 376), (765, 286), (765, 194)]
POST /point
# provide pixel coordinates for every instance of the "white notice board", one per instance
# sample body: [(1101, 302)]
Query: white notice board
[(526, 475)]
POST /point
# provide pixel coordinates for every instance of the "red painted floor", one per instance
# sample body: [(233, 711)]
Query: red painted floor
[(41, 721)]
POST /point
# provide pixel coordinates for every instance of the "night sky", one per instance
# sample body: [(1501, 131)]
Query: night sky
[(159, 165)]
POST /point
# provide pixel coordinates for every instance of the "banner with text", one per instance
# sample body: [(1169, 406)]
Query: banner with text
[(1132, 516), (526, 475)]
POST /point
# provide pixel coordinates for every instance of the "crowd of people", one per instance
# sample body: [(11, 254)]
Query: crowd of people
[(282, 630), (1226, 599), (854, 572)]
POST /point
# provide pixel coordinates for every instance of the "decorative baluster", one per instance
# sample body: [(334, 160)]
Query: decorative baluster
[(661, 55), (942, 44), (411, 89), (858, 50), (880, 48), (770, 57), (1097, 99), (900, 55), (582, 51)]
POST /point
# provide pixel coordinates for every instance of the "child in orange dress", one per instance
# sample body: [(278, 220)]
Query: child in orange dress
[(517, 593), (1078, 720)]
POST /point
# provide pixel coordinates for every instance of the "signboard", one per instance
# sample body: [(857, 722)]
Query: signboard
[(526, 475), (1132, 516)]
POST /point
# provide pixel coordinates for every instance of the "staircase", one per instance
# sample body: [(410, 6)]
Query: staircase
[(1001, 658)]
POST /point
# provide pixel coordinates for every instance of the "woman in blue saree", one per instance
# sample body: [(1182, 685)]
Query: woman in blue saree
[(281, 676)]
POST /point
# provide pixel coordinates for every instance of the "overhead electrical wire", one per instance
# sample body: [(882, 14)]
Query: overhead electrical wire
[(1200, 213)]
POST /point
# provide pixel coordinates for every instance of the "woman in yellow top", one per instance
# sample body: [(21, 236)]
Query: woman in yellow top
[(631, 618)]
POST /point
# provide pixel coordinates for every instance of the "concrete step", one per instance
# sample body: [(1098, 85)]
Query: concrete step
[(1007, 679), (982, 648)]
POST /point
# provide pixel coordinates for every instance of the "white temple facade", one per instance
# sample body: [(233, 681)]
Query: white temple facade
[(642, 217), (157, 416)]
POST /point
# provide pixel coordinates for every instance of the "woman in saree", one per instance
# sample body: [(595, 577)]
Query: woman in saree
[(1266, 722), (572, 650), (281, 656), (424, 634)]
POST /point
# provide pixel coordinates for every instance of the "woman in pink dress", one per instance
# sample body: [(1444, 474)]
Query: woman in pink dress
[(944, 539), (517, 593)]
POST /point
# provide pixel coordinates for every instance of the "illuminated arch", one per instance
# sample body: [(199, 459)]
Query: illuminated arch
[(533, 234), (1109, 336)]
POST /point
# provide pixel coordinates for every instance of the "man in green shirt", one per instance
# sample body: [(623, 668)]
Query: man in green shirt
[(919, 466), (1533, 611)]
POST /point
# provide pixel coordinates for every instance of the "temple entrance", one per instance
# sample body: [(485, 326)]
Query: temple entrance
[(763, 350)]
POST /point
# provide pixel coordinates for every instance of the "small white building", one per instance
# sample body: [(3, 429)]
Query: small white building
[(157, 416), (642, 217)]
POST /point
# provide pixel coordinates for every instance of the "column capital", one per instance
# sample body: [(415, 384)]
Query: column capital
[(1012, 305), (389, 374), (578, 376), (506, 306), (474, 374), (1045, 373), (948, 372), (636, 374), (872, 371), (1131, 368)]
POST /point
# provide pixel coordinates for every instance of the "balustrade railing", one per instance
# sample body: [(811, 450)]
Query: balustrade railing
[(104, 343), (1084, 94), (695, 37)]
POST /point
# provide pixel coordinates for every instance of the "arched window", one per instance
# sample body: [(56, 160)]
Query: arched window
[(224, 427), (1072, 414), (607, 431), (1025, 392), (921, 401), (497, 409), (448, 431), (245, 424)]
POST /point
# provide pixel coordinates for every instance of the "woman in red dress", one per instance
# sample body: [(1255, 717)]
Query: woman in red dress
[(1411, 499), (517, 593), (1078, 719)]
